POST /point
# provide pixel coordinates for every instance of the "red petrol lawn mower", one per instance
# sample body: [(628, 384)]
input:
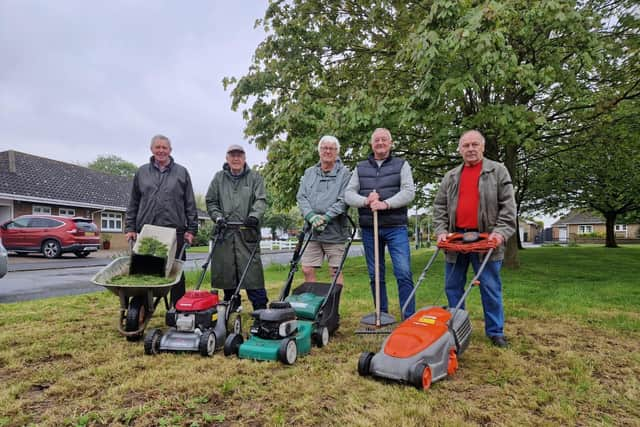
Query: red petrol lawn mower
[(425, 347), (200, 320)]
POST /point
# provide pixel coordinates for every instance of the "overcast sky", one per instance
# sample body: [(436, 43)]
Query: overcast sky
[(83, 78)]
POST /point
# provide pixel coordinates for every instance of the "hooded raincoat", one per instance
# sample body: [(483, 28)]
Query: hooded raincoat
[(235, 198)]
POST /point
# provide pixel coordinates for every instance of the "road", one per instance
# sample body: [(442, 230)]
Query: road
[(35, 277)]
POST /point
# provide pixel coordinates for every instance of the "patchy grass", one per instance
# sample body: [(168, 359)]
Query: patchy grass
[(572, 317)]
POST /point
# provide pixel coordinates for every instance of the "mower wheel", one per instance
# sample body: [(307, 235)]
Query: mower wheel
[(452, 365), (232, 344), (288, 351), (321, 337), (207, 343), (136, 315), (236, 324), (364, 363), (420, 375), (152, 342)]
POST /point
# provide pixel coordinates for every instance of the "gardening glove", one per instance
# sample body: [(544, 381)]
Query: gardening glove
[(251, 221), (309, 217), (325, 221), (317, 221)]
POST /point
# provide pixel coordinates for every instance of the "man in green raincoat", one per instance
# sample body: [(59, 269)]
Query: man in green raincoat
[(237, 194)]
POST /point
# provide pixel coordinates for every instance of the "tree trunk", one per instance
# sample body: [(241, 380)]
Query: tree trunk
[(610, 241), (511, 257)]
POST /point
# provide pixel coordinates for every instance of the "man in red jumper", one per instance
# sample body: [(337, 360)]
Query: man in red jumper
[(477, 196)]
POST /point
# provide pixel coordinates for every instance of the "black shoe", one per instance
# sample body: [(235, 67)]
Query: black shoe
[(499, 341)]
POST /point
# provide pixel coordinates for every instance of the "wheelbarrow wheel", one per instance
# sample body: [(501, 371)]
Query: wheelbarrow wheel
[(152, 342), (136, 315)]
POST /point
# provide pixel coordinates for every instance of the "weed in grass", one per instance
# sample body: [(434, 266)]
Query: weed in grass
[(217, 418)]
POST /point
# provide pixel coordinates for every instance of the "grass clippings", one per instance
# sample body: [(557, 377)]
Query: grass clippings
[(139, 280)]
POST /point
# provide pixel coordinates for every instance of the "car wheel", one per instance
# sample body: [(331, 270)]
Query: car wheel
[(152, 342), (51, 249), (82, 254), (207, 343), (136, 315), (288, 351), (232, 344), (321, 337), (364, 363), (420, 375)]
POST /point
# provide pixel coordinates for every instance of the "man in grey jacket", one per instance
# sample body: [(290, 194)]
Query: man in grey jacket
[(384, 183), (162, 195), (477, 196), (321, 202)]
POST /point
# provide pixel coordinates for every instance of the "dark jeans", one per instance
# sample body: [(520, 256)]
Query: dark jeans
[(490, 289), (258, 297), (397, 240)]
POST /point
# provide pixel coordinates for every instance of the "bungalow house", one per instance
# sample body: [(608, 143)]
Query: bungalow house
[(528, 230), (37, 185), (579, 223)]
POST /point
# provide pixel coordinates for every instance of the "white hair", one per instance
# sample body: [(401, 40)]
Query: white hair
[(160, 138), (472, 131), (330, 139)]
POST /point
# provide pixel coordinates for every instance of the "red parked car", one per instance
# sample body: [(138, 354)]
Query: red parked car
[(50, 235)]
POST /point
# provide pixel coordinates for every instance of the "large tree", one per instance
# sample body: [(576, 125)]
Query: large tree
[(602, 174), (527, 74), (114, 165)]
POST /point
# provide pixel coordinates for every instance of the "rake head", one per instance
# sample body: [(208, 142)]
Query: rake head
[(374, 325)]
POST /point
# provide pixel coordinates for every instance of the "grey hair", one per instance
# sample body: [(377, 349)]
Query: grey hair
[(471, 131), (381, 129), (160, 137), (330, 139)]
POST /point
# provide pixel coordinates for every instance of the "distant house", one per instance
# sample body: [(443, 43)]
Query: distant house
[(37, 185), (528, 230), (587, 224)]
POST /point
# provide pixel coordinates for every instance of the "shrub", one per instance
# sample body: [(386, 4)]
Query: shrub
[(204, 234)]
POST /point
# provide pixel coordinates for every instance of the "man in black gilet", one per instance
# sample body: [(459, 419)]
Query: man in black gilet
[(384, 183)]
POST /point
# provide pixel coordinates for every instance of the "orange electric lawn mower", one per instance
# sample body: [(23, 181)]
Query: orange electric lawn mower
[(425, 347)]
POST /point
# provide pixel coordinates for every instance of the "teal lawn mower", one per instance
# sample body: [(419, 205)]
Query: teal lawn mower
[(289, 327)]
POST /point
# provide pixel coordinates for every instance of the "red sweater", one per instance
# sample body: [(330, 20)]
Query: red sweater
[(468, 197)]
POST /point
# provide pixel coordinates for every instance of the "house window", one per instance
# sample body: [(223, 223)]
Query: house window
[(67, 212), (41, 210), (585, 229), (621, 227), (111, 221)]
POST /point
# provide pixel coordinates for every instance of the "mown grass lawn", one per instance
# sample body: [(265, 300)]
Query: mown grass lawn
[(572, 318)]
